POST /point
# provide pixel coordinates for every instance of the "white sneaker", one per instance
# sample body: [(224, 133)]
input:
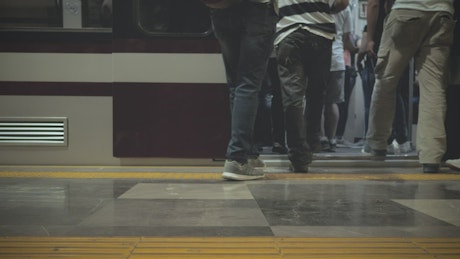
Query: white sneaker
[(453, 164), (256, 162), (391, 149), (405, 147), (241, 172), (366, 149)]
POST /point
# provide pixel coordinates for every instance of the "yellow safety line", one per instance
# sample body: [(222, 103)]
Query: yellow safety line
[(217, 176), (227, 247)]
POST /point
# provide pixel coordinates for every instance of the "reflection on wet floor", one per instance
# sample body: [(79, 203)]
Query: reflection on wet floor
[(165, 207)]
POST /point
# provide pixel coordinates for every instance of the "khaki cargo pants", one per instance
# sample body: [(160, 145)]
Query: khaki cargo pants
[(426, 37)]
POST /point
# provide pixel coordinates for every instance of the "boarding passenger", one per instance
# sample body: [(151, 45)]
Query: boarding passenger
[(350, 81), (336, 82), (423, 30), (276, 109), (377, 10), (303, 47), (245, 31), (269, 128)]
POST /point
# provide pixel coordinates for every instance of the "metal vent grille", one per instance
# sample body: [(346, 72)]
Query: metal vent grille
[(37, 131)]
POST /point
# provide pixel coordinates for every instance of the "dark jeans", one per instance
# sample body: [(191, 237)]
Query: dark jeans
[(303, 56), (453, 122), (368, 80), (278, 130), (245, 32), (350, 80)]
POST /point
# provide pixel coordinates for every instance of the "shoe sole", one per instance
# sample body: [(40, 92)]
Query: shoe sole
[(240, 177), (297, 171)]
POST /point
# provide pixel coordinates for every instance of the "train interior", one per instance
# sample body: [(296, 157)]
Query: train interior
[(113, 127)]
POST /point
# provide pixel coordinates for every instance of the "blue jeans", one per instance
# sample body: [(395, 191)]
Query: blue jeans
[(245, 32), (303, 56)]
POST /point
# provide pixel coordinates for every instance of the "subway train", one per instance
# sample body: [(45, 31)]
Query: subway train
[(136, 82), (78, 87)]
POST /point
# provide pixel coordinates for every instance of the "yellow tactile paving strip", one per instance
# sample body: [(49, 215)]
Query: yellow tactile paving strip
[(231, 247), (217, 176)]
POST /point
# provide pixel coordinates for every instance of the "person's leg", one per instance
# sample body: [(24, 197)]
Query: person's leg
[(293, 86), (400, 120), (318, 69), (350, 79), (277, 114), (334, 96), (394, 54), (453, 122), (432, 65), (246, 52), (368, 81)]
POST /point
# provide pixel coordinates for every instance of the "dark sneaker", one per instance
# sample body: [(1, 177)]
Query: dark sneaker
[(298, 168), (378, 155), (325, 146), (332, 145), (453, 164), (374, 154), (431, 168), (240, 172), (278, 148)]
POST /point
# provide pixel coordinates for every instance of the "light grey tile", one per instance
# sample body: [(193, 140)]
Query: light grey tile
[(443, 209), (221, 191), (184, 213)]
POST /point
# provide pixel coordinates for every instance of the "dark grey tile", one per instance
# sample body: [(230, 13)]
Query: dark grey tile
[(342, 212), (354, 190)]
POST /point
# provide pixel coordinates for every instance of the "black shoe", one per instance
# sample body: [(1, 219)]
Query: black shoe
[(325, 145), (333, 145), (379, 155), (299, 168), (431, 168), (278, 148)]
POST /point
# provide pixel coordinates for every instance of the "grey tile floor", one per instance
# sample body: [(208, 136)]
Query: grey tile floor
[(297, 208)]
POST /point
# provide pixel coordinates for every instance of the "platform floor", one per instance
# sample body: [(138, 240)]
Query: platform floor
[(189, 212)]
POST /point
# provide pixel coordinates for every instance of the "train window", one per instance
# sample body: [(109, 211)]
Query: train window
[(173, 17), (54, 14), (32, 13)]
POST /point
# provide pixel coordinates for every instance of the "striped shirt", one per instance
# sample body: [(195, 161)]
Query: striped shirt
[(312, 15)]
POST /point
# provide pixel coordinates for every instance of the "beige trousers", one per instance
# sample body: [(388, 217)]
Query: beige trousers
[(426, 37)]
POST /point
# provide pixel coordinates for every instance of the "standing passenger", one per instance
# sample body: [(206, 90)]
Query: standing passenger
[(424, 30), (245, 31), (377, 10), (335, 91), (303, 46)]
